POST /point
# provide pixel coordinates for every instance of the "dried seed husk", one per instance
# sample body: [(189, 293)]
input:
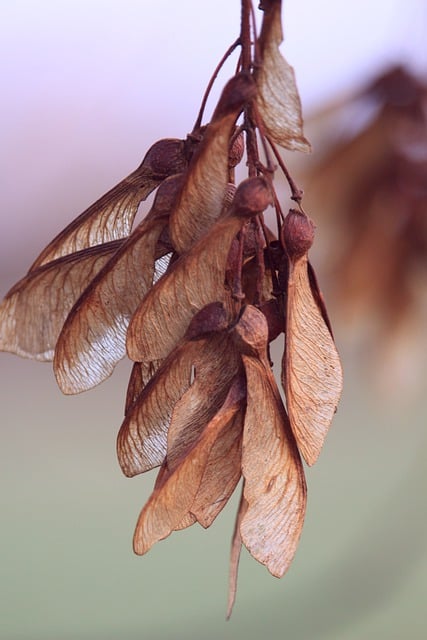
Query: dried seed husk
[(297, 233), (278, 99), (111, 217), (34, 310), (211, 318), (311, 368)]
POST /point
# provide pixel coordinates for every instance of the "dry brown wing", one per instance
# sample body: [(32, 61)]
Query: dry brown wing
[(205, 190), (274, 488), (194, 281), (222, 473), (111, 217), (311, 368), (213, 373), (205, 397), (142, 439), (211, 319), (171, 501), (141, 374), (318, 296), (93, 339), (34, 310), (278, 99), (213, 378)]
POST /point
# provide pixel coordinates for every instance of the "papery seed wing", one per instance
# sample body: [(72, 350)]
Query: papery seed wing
[(142, 439), (186, 522), (140, 376), (274, 487), (205, 190), (111, 217), (93, 339), (171, 500), (194, 281), (213, 373), (213, 378), (274, 477), (222, 473), (318, 296), (311, 368), (34, 310), (278, 99)]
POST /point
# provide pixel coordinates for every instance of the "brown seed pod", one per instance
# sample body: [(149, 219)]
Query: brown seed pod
[(252, 197), (297, 233), (166, 157), (237, 149)]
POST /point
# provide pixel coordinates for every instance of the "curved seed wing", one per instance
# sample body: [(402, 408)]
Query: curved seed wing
[(311, 368), (278, 99), (34, 310)]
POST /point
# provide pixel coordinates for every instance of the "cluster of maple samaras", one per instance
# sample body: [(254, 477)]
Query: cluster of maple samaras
[(194, 295)]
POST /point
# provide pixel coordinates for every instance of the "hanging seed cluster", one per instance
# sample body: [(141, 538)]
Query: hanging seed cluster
[(194, 295)]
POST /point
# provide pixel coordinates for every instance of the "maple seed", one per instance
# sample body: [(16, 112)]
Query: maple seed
[(252, 197), (237, 149), (213, 317), (166, 157), (297, 234), (194, 294)]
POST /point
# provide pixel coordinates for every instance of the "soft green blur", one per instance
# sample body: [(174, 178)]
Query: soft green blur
[(68, 571)]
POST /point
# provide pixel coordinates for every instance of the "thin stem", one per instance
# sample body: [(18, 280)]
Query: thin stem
[(236, 546), (238, 294), (256, 55), (259, 260), (220, 64), (271, 167), (245, 35), (280, 216), (297, 193), (251, 145)]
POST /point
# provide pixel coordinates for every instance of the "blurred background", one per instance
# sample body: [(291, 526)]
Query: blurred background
[(86, 88)]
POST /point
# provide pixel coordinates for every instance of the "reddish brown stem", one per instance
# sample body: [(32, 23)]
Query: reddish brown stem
[(260, 260), (245, 35), (296, 192), (220, 64), (237, 276)]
